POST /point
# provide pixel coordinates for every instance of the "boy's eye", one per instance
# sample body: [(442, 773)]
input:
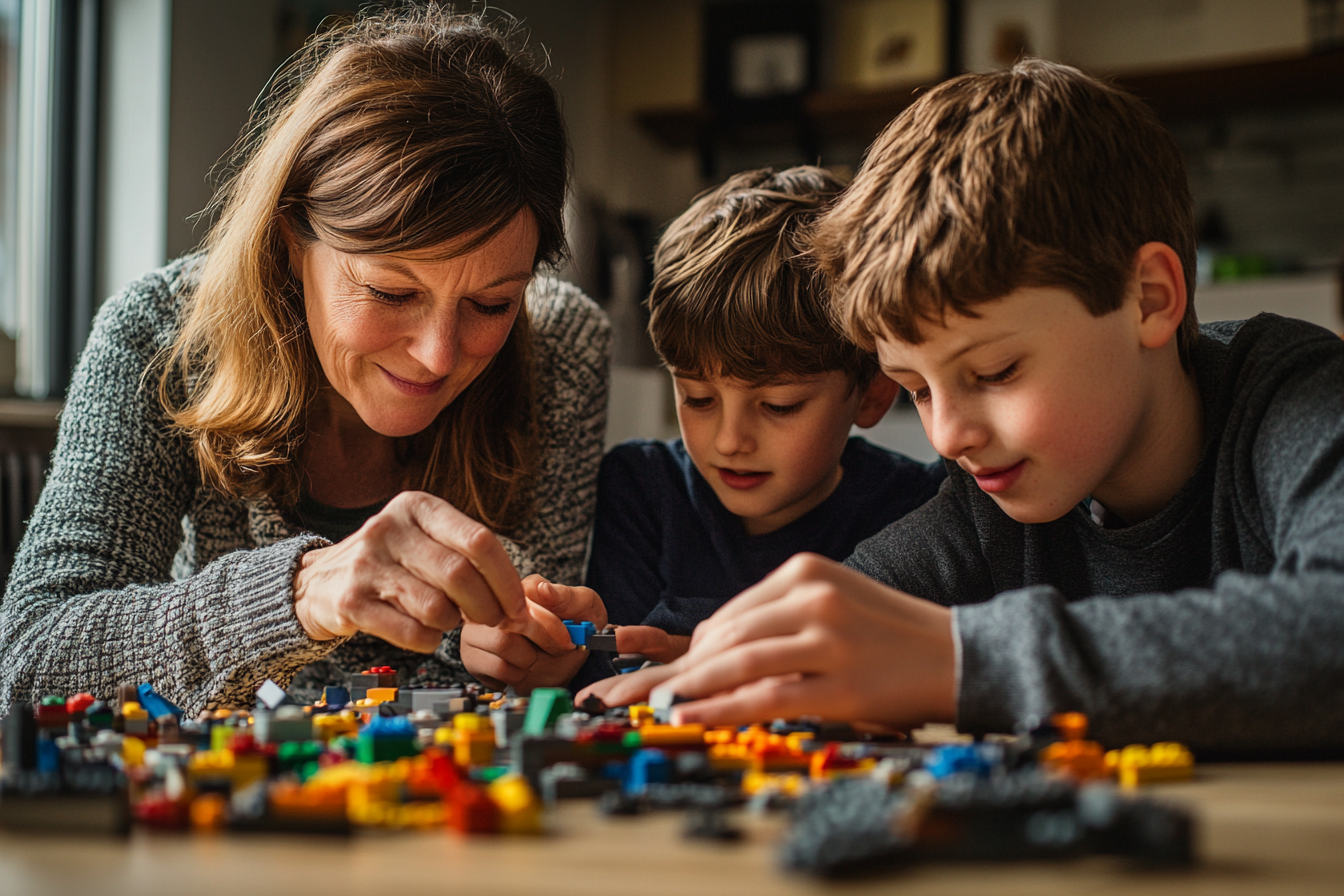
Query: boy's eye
[(784, 410), (1002, 376), (918, 396), (697, 403)]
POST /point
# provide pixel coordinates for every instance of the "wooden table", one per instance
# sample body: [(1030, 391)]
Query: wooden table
[(1264, 829)]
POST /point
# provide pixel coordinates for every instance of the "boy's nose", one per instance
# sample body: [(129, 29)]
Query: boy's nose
[(954, 430), (733, 436)]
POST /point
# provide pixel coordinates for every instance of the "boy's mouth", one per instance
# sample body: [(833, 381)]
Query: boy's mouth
[(741, 479), (999, 480)]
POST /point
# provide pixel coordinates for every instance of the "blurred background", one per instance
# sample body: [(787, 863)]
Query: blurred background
[(117, 117)]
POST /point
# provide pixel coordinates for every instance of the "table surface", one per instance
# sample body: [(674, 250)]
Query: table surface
[(1263, 828)]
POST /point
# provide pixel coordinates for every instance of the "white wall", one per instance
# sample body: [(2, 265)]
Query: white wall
[(133, 175)]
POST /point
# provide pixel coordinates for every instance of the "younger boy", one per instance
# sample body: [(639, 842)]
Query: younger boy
[(767, 391), (1143, 521)]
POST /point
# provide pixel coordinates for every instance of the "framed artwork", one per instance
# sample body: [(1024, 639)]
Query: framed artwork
[(760, 57), (885, 43), (999, 32)]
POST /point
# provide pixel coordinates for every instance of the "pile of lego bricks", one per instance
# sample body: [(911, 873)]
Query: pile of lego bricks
[(379, 756)]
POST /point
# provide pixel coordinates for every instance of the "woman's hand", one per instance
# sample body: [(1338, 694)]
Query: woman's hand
[(416, 569), (501, 658), (813, 638)]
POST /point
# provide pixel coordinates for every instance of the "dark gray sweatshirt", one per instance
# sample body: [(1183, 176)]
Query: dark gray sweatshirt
[(1219, 622)]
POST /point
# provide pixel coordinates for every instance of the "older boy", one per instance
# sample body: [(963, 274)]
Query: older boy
[(767, 391), (1159, 511)]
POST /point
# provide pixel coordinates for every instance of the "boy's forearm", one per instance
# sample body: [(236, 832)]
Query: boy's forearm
[(1252, 664)]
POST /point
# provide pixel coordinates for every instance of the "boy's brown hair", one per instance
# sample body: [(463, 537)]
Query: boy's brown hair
[(1037, 176), (736, 292)]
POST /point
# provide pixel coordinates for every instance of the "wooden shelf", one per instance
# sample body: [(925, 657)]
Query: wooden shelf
[(1176, 94)]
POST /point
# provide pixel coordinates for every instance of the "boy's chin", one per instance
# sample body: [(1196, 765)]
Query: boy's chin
[(1026, 512)]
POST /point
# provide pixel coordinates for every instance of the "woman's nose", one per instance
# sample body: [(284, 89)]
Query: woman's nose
[(434, 345)]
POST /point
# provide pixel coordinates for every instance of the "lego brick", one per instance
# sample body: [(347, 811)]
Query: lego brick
[(271, 696), (426, 698), (543, 708), (580, 632), (154, 703)]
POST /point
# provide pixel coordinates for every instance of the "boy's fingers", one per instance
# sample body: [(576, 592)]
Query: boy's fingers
[(567, 601), (513, 649), (745, 664), (654, 643), (543, 628), (640, 639), (622, 690), (787, 615), (787, 696)]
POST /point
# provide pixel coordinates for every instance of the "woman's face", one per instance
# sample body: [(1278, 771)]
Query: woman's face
[(400, 336)]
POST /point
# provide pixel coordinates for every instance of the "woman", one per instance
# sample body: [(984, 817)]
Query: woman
[(288, 457)]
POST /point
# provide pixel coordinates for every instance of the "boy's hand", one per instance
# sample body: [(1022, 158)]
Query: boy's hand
[(652, 642), (500, 658), (813, 638)]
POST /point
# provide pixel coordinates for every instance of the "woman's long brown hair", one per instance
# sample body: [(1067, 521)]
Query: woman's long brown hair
[(399, 131)]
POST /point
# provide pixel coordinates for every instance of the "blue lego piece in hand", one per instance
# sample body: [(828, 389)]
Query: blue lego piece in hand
[(580, 632), (154, 704)]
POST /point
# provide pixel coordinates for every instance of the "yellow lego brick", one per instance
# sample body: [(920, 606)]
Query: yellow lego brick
[(470, 721), (132, 751), (640, 713), (1136, 764), (519, 808)]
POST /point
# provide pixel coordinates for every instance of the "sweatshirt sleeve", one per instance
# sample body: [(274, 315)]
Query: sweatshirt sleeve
[(90, 602), (1254, 663)]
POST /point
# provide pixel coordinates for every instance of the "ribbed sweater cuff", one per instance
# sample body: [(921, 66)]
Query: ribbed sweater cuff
[(258, 629)]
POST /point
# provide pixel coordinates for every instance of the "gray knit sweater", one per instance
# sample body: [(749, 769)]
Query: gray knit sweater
[(134, 571)]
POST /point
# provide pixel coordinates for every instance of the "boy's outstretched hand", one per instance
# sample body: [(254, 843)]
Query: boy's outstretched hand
[(812, 638), (499, 657)]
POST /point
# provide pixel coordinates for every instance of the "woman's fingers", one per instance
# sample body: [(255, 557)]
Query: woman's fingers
[(448, 571), (494, 591), (380, 618)]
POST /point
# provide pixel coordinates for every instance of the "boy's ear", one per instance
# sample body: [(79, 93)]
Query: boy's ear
[(1160, 282), (875, 401)]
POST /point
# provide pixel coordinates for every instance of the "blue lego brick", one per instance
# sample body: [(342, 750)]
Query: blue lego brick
[(154, 704), (580, 632), (647, 767), (335, 696), (979, 759), (48, 756)]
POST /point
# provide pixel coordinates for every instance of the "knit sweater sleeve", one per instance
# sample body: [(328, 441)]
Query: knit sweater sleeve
[(90, 602), (571, 349)]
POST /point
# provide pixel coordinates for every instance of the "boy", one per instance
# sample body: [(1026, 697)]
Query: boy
[(1142, 521), (767, 391)]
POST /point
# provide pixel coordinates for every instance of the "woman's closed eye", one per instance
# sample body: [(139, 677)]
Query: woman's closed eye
[(491, 309)]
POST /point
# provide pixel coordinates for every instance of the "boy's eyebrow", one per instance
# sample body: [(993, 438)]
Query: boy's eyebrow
[(970, 346)]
